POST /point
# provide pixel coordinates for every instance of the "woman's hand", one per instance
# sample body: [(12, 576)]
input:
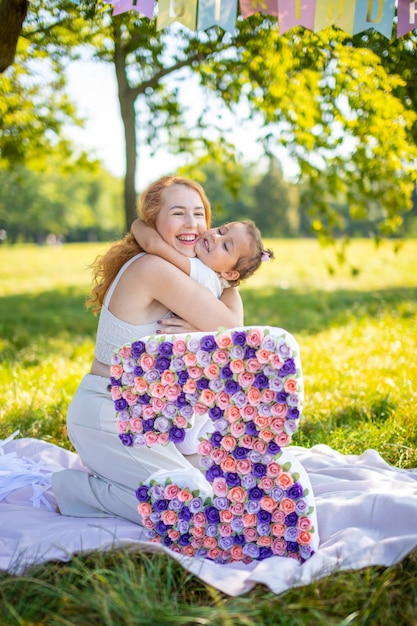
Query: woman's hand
[(176, 325)]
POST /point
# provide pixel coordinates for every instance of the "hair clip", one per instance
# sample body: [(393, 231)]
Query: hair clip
[(265, 256)]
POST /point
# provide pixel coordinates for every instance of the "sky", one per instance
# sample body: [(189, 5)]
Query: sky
[(92, 86)]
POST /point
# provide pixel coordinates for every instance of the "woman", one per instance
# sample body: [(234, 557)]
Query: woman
[(134, 291)]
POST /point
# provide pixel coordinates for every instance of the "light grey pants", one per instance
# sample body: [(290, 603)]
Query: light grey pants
[(114, 469)]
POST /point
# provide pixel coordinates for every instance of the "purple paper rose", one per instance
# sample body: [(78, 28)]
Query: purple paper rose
[(176, 434), (185, 513), (215, 413), (160, 505), (239, 453), (291, 519), (259, 470), (232, 387), (261, 381), (265, 553), (264, 517), (239, 338), (256, 493), (165, 348), (120, 404), (226, 372), (162, 363), (142, 493), (287, 369), (126, 439), (212, 515), (232, 479), (208, 343), (295, 491), (137, 348)]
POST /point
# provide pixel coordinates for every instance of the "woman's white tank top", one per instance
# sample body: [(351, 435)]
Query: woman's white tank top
[(112, 332)]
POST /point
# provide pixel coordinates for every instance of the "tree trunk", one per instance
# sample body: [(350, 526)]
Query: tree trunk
[(128, 114), (12, 15)]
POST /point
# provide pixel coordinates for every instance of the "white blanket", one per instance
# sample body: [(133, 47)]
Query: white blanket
[(367, 515)]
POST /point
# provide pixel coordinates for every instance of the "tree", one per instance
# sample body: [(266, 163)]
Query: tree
[(12, 15), (274, 211), (313, 92), (341, 109)]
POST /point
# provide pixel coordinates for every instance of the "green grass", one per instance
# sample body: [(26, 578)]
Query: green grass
[(358, 338)]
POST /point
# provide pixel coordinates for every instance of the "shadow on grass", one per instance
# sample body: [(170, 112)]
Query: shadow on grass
[(62, 313), (315, 311)]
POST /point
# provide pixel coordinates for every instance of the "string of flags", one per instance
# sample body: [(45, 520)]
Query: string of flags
[(352, 16)]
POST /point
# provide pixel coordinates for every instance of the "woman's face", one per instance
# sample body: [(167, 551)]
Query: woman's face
[(182, 218)]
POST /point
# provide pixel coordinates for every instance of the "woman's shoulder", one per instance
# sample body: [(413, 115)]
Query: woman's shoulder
[(150, 270), (151, 262)]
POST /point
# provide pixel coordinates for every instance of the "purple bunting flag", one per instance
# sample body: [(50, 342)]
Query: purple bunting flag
[(217, 12), (121, 6), (407, 17), (296, 13), (146, 7)]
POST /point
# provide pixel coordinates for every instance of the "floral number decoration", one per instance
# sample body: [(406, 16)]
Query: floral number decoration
[(249, 383)]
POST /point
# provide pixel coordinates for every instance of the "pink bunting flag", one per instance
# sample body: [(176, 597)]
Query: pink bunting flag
[(249, 7), (407, 17), (296, 13)]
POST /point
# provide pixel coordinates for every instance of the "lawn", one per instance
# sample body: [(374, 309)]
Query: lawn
[(357, 328)]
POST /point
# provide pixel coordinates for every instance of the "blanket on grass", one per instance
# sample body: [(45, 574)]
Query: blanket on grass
[(367, 515)]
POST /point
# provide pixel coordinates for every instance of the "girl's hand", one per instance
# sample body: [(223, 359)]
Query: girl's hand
[(176, 325), (147, 237)]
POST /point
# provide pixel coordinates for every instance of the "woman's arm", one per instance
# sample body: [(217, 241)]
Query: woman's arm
[(151, 241), (187, 299), (174, 324), (233, 300)]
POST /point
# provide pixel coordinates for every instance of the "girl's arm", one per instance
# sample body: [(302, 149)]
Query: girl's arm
[(151, 241)]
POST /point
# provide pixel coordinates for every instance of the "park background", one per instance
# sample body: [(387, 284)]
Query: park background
[(343, 282)]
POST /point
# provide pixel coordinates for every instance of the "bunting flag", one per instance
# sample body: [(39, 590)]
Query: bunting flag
[(338, 12), (378, 14), (407, 17), (182, 11), (250, 7), (352, 16), (220, 12), (296, 13), (146, 7)]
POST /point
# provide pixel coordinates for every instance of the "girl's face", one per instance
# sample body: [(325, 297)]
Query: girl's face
[(221, 248), (181, 219)]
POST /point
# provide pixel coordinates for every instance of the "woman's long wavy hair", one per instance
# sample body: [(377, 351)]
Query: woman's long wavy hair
[(106, 266)]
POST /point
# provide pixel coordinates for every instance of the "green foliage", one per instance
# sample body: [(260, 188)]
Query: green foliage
[(358, 339), (78, 203)]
